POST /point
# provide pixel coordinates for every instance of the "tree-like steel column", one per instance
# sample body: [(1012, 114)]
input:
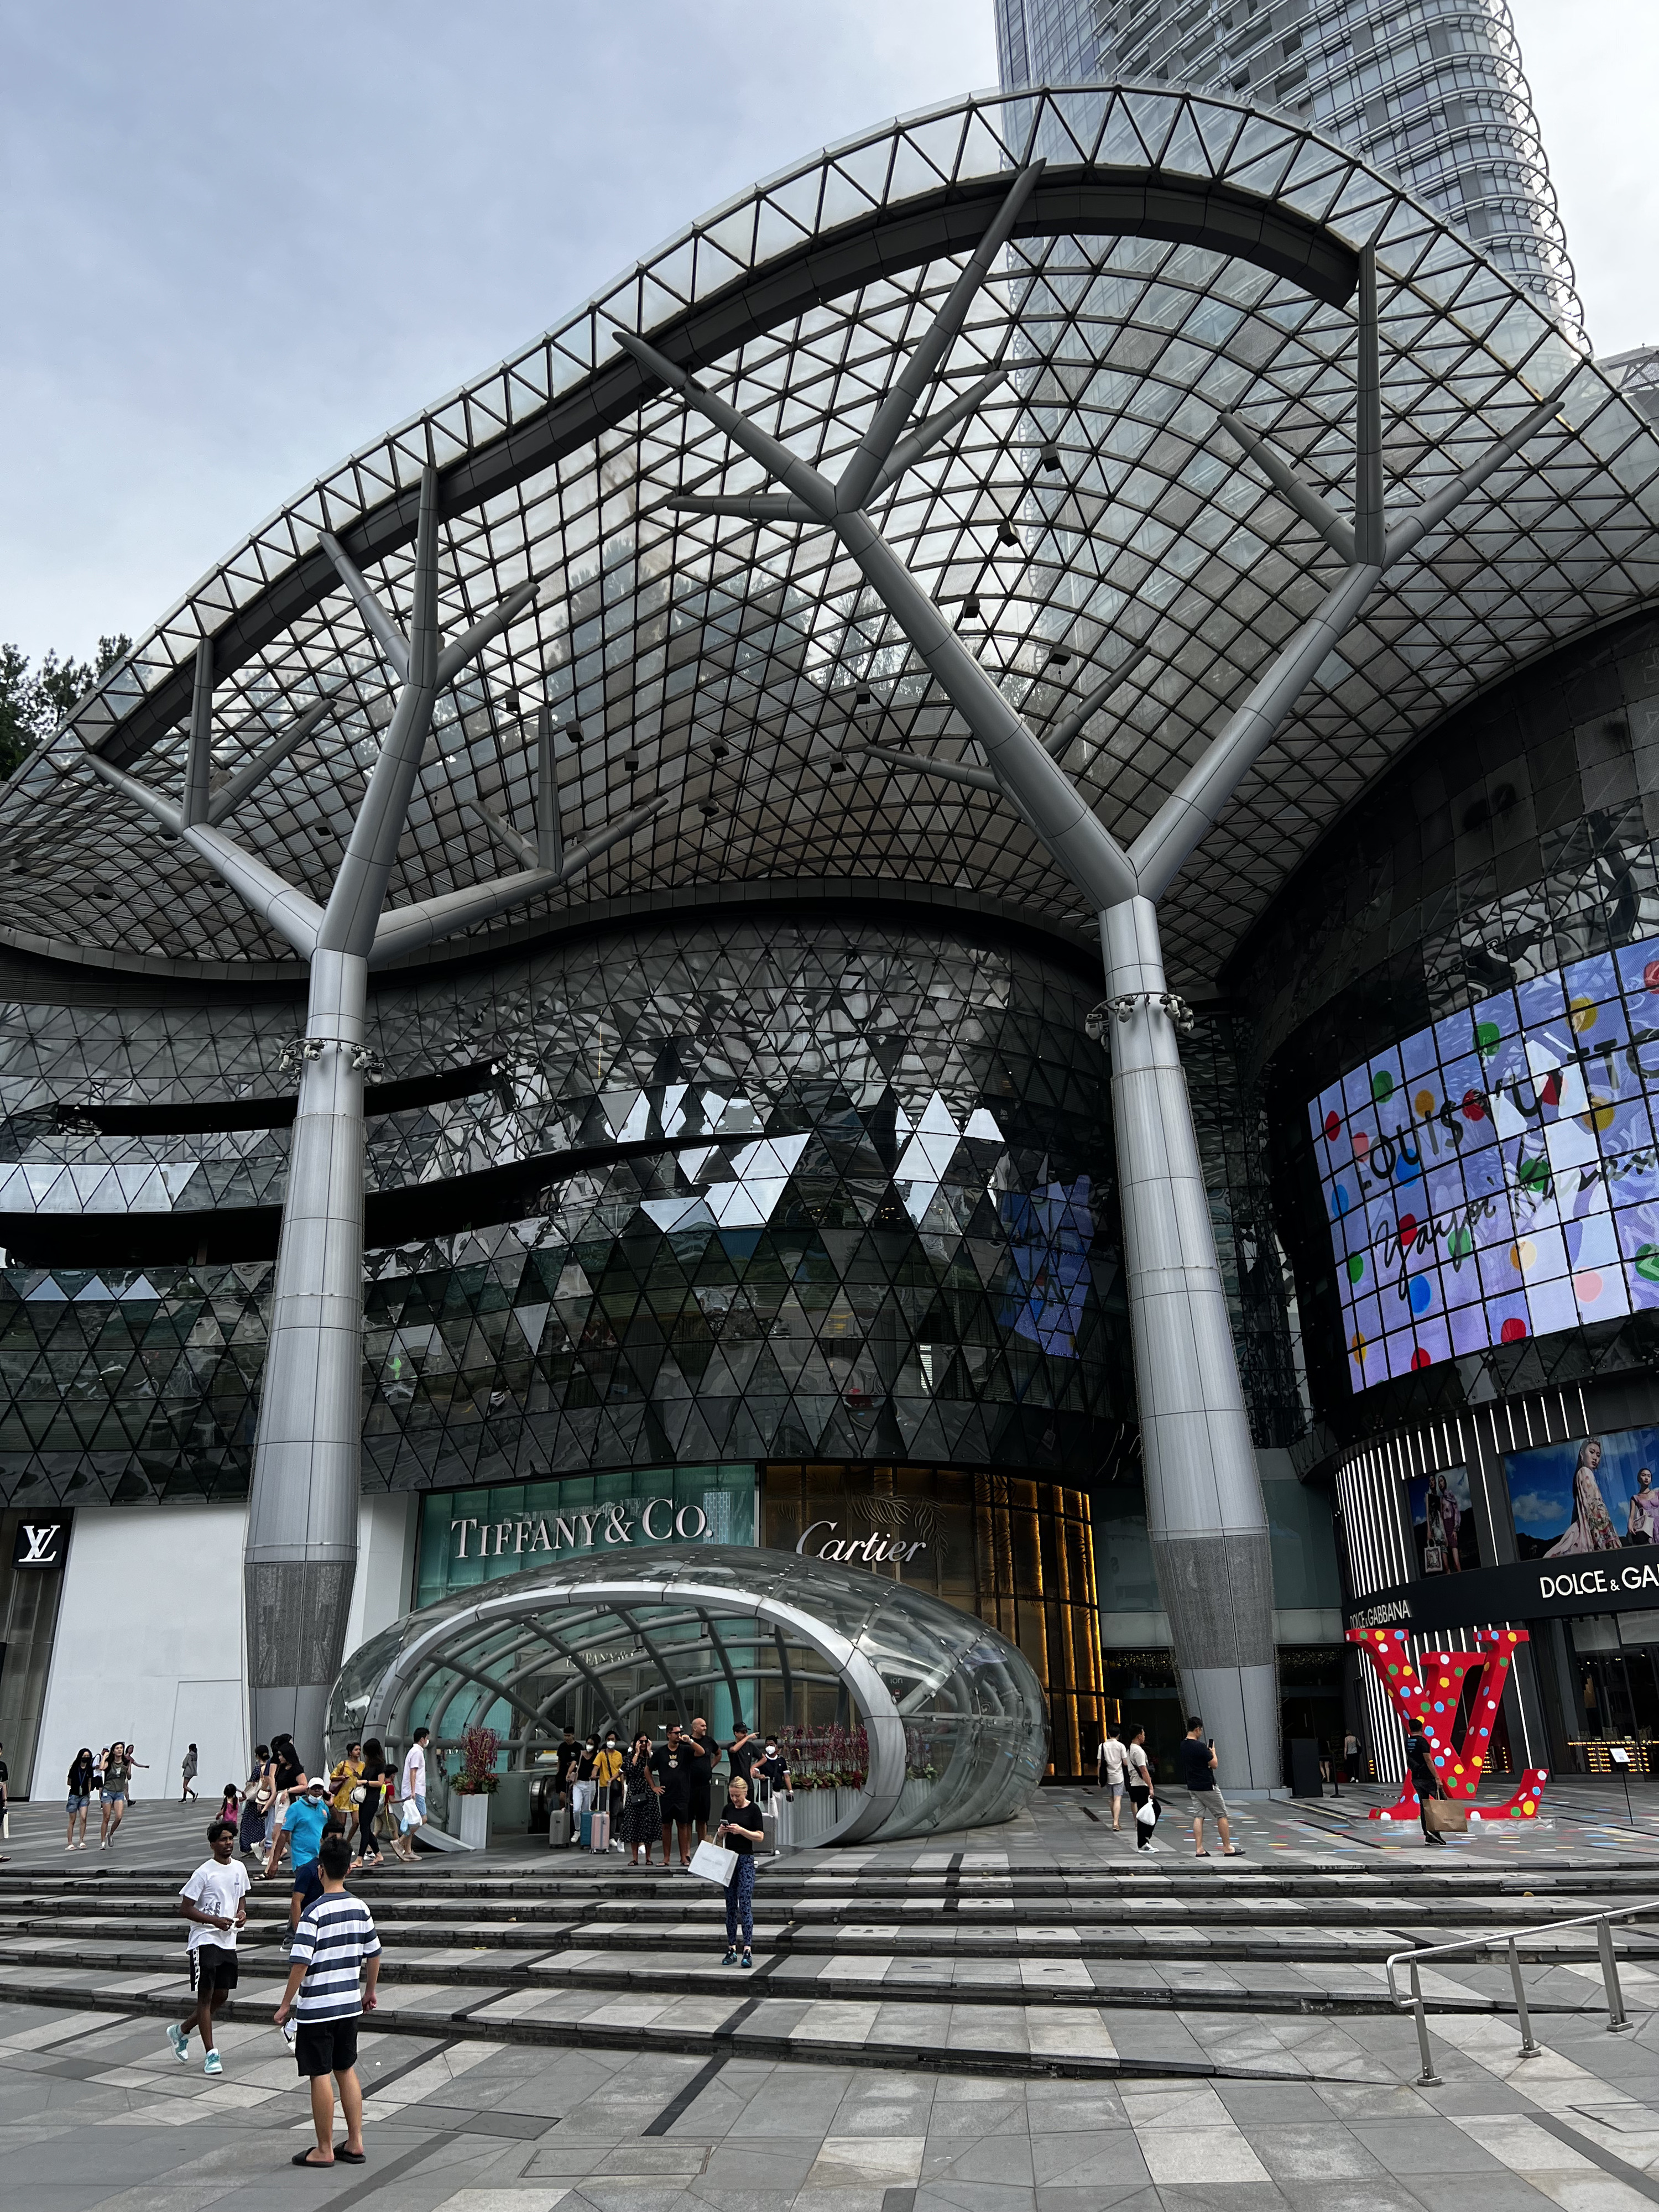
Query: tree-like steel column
[(302, 1546), (1204, 1502)]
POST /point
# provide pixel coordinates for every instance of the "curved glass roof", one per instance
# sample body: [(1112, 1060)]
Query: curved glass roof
[(954, 1731), (1182, 253)]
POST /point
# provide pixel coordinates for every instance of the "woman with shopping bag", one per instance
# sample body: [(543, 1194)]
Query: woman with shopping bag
[(741, 1830)]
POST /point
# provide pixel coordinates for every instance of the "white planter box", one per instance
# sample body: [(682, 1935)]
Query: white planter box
[(475, 1821)]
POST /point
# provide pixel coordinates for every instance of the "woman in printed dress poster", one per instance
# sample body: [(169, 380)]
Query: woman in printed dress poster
[(1441, 1522), (1589, 1529)]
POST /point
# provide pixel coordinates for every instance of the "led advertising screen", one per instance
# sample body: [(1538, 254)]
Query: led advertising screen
[(1494, 1176), (1594, 1494)]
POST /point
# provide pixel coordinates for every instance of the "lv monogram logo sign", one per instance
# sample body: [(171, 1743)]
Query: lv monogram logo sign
[(1429, 1696), (38, 1544)]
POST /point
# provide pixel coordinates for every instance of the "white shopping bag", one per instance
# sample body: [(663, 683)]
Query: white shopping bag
[(714, 1863), (1147, 1815)]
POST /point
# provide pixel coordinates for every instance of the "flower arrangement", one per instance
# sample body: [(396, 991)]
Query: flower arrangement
[(825, 1758), (476, 1776)]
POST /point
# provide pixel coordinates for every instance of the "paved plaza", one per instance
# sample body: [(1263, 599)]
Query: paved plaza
[(1029, 2019)]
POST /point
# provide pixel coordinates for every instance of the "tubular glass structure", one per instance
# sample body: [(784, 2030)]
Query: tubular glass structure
[(952, 1717)]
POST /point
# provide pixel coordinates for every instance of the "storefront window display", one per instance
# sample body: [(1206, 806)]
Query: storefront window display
[(1592, 1494), (1444, 1532)]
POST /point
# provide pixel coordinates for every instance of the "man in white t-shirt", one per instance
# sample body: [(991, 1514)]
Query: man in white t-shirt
[(1114, 1758), (412, 1791), (215, 1902)]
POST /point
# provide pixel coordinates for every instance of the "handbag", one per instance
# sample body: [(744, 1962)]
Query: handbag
[(1441, 1818), (714, 1863), (357, 1794), (1434, 1558)]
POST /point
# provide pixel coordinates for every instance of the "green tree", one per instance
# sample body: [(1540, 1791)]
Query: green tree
[(32, 704)]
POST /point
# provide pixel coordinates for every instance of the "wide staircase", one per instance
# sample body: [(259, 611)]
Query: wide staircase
[(949, 1959)]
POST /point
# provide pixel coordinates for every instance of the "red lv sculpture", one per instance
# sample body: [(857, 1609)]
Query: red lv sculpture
[(1429, 1698)]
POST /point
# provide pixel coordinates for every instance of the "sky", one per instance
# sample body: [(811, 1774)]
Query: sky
[(238, 241)]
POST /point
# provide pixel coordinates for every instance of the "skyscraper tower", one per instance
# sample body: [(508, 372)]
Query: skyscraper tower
[(1430, 89)]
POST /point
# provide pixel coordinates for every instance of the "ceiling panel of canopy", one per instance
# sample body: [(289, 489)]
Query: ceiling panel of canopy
[(1182, 254)]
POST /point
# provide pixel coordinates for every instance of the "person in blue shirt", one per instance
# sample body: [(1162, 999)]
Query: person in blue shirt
[(303, 1824)]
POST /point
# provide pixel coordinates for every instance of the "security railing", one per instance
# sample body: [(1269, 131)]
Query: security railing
[(1603, 1924)]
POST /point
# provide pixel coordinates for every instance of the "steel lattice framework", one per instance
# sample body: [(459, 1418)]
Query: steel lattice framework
[(1181, 255)]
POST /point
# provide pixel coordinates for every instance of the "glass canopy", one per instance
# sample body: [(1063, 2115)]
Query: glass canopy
[(942, 1722), (1181, 254)]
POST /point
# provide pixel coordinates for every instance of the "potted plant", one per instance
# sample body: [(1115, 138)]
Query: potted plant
[(474, 1783)]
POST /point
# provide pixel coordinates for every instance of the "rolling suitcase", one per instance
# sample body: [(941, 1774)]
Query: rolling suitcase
[(584, 1833), (599, 1839)]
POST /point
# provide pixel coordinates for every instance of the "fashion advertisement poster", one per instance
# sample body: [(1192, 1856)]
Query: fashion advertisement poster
[(1443, 1522), (1596, 1494)]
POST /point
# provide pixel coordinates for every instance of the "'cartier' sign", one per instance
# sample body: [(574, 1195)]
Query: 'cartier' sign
[(658, 1524), (868, 1551)]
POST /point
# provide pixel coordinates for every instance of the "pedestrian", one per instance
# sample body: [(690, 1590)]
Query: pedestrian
[(307, 1818), (289, 1781), (230, 1804), (343, 1778), (740, 1830), (565, 1759), (1419, 1758), (1198, 1764), (674, 1798), (188, 1769), (215, 1902), (82, 1776), (641, 1820), (1351, 1756), (701, 1755), (411, 1789), (328, 1991), (608, 1785), (771, 1771), (134, 1765), (742, 1752), (1143, 1789), (581, 1788), (1114, 1772), (257, 1799), (368, 1809), (113, 1794)]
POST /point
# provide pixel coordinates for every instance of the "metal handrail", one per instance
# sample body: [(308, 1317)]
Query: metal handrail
[(1603, 1924)]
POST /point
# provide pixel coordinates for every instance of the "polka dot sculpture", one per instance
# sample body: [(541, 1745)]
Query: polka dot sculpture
[(1429, 1693)]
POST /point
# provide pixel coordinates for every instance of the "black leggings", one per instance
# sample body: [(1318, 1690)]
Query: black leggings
[(366, 1846)]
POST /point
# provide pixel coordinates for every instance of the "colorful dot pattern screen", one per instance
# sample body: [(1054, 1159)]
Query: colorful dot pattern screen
[(1494, 1177)]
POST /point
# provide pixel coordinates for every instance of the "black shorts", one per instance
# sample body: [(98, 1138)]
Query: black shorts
[(698, 1803), (675, 1810), (326, 2047), (212, 1968)]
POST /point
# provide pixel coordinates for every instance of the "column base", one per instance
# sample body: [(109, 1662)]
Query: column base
[(1239, 1706), (301, 1712)]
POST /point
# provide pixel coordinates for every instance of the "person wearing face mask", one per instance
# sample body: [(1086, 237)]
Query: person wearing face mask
[(581, 1790), (607, 1782), (769, 1775)]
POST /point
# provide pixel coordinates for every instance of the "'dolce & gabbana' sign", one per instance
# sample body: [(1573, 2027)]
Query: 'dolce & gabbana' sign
[(584, 1528), (1532, 1589)]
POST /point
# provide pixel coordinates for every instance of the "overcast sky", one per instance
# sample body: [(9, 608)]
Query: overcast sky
[(237, 240)]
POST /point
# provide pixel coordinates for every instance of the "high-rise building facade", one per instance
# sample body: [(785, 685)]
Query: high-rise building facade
[(1433, 89)]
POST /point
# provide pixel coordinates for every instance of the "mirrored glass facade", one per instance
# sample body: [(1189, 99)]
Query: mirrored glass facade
[(777, 1185)]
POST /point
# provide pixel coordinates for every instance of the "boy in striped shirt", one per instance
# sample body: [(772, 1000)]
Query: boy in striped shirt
[(335, 1937)]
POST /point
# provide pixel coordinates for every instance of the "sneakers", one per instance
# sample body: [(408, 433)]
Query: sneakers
[(746, 1960), (213, 2064), (179, 2041), (730, 1958)]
